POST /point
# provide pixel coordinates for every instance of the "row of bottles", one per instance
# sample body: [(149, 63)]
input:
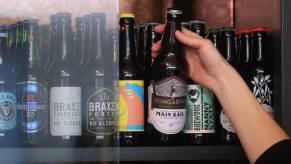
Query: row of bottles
[(178, 110), (64, 97), (67, 96)]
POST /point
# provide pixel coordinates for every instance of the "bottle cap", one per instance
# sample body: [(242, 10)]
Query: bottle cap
[(227, 29), (198, 21), (260, 29), (244, 30), (174, 11), (127, 15)]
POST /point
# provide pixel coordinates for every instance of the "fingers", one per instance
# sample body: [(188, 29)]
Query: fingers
[(190, 33), (155, 49), (160, 28), (194, 42)]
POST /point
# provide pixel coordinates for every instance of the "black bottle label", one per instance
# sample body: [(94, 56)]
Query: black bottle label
[(168, 105), (7, 111), (100, 111), (32, 107)]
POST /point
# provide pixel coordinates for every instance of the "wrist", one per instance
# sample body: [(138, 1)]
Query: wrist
[(225, 79)]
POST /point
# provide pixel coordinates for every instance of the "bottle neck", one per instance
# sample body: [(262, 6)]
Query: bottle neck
[(64, 34), (245, 48), (96, 49), (127, 42), (169, 42), (228, 50), (258, 46)]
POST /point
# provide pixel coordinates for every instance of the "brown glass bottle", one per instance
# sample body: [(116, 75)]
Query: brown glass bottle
[(260, 78), (131, 97), (169, 87), (200, 109), (65, 89), (98, 99), (31, 92), (228, 134), (151, 38)]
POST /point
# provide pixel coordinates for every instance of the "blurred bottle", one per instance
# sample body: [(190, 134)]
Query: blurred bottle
[(32, 98), (131, 84), (8, 113), (65, 91), (99, 104)]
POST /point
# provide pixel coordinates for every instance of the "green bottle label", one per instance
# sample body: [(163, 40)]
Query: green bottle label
[(199, 110)]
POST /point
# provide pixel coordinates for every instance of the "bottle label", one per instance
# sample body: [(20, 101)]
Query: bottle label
[(7, 111), (32, 106), (100, 111), (261, 85), (168, 105), (225, 122), (150, 113), (131, 106), (65, 111), (199, 110)]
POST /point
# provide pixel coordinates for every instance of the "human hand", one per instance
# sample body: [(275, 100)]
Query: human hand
[(205, 63)]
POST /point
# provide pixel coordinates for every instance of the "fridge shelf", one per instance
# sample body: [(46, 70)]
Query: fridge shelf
[(147, 153)]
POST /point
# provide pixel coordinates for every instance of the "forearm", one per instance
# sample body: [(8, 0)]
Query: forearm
[(256, 129)]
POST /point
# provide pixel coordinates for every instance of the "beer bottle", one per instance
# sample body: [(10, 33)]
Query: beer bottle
[(260, 75), (200, 110), (167, 114), (244, 52), (228, 135), (98, 98), (8, 114), (151, 38), (131, 84), (141, 45), (32, 99), (65, 91)]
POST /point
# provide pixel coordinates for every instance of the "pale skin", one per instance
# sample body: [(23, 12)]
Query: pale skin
[(255, 128)]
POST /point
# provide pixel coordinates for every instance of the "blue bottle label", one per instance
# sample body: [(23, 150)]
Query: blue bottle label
[(32, 107), (7, 111)]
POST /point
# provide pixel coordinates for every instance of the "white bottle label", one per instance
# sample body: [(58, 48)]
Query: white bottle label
[(168, 105), (261, 85), (65, 111), (225, 122), (200, 110)]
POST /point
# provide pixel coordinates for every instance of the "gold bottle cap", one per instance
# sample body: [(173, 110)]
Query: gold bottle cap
[(127, 15)]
